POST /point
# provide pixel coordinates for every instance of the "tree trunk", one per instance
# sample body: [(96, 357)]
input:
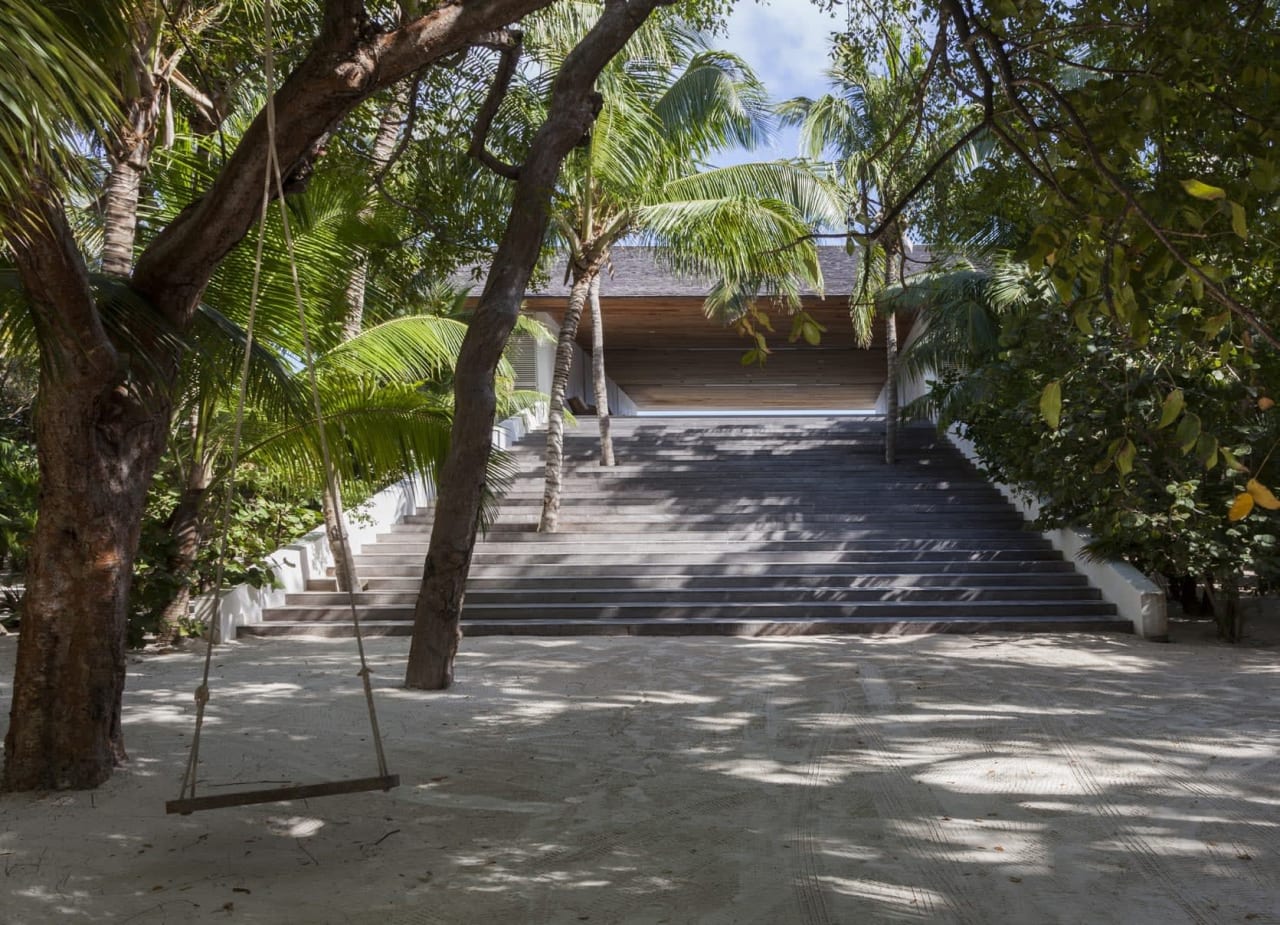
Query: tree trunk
[(384, 145), (344, 568), (97, 449), (891, 370), (120, 221), (598, 374), (574, 105), (99, 441), (186, 531), (554, 465)]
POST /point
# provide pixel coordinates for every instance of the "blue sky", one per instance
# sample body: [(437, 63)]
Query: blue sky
[(787, 43)]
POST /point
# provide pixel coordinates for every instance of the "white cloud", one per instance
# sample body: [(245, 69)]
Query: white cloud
[(787, 43)]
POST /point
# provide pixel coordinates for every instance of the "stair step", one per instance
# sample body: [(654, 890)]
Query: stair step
[(704, 595), (482, 579), (750, 526), (711, 555), (696, 626), (523, 568), (681, 609)]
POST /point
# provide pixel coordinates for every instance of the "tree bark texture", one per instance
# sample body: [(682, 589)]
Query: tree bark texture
[(344, 562), (103, 427), (598, 374), (98, 442), (574, 106), (120, 218), (186, 531), (554, 461), (130, 153), (890, 368)]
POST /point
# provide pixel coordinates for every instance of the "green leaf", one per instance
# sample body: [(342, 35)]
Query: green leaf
[(1174, 402), (1197, 286), (1188, 432), (1213, 326), (1202, 190), (1238, 224), (1125, 455), (811, 334), (1207, 450), (1051, 403), (1081, 318), (1229, 460)]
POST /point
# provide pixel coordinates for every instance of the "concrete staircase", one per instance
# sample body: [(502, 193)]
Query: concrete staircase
[(736, 526)]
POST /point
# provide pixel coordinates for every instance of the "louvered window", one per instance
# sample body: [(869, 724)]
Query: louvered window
[(522, 352)]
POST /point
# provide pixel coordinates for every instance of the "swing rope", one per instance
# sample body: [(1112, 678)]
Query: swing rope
[(188, 801)]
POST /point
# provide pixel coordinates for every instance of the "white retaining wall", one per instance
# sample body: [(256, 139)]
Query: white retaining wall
[(296, 564), (1135, 596)]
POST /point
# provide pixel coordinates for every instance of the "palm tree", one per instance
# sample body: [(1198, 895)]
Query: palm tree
[(882, 141), (638, 176), (968, 304)]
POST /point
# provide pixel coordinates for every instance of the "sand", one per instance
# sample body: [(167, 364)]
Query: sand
[(985, 779)]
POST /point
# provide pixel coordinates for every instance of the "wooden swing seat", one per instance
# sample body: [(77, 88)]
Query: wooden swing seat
[(280, 794)]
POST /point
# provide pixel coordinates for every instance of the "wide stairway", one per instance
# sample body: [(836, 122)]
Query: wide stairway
[(736, 526)]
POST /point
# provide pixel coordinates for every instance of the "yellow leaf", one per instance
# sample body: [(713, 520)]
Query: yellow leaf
[(1262, 495), (1240, 507), (1051, 403), (1202, 190)]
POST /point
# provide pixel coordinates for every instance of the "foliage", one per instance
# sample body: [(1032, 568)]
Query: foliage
[(267, 512), (1146, 445), (53, 88), (671, 103), (879, 134), (19, 485)]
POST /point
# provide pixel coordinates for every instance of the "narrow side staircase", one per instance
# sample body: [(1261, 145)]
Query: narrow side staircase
[(735, 526)]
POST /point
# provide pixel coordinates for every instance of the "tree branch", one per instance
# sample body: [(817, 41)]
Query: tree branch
[(1216, 292), (349, 62), (55, 280), (508, 48)]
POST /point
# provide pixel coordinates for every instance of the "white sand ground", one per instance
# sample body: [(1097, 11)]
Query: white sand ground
[(994, 779)]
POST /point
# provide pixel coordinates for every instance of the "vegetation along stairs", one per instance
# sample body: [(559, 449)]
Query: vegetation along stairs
[(739, 526)]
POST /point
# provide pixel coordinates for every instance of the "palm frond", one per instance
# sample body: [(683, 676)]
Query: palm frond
[(715, 102), (814, 198), (53, 94), (403, 349)]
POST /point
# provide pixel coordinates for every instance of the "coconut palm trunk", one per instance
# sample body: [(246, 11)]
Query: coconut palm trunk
[(890, 364), (598, 373), (554, 467)]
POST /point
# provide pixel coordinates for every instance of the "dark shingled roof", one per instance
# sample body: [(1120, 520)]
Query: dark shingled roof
[(636, 273)]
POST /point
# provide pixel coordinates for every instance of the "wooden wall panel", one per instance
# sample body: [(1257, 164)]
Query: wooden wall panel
[(665, 353), (801, 378)]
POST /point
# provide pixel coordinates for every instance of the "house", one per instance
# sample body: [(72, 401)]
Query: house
[(663, 354)]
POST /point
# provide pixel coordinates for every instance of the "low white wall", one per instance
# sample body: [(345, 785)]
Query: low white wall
[(1135, 596), (309, 557)]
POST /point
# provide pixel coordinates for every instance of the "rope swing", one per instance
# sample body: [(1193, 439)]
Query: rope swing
[(188, 801)]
